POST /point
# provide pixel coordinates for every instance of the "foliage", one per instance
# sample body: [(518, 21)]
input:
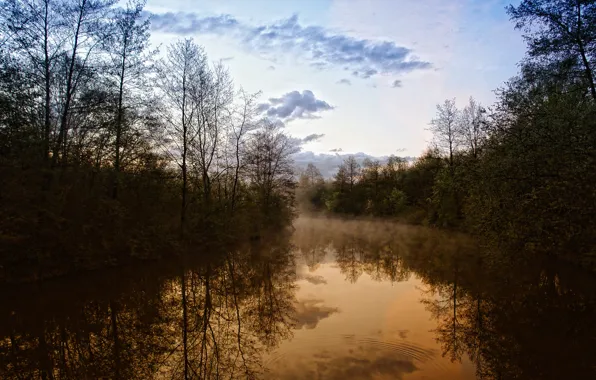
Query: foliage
[(519, 174), (108, 154)]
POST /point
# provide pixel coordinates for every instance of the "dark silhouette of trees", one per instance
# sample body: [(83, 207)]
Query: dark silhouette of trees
[(99, 140), (562, 33)]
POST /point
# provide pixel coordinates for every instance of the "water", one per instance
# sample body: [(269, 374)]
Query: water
[(332, 300)]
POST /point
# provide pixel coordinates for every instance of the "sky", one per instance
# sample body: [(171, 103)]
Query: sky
[(356, 75)]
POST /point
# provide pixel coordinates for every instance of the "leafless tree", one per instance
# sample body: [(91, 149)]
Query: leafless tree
[(471, 126), (444, 128), (178, 73), (269, 163)]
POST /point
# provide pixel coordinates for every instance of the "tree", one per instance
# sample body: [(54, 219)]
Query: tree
[(85, 27), (242, 124), (182, 68), (352, 169), (560, 31), (444, 128), (36, 30), (311, 176), (270, 166), (212, 95), (311, 188), (126, 44), (471, 126)]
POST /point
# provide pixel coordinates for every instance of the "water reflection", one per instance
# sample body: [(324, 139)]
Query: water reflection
[(335, 300), (207, 320), (522, 318)]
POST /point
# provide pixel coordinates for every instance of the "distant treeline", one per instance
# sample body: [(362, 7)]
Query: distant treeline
[(109, 150), (522, 173)]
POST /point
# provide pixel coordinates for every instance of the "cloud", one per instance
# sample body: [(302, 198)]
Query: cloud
[(294, 105), (313, 137), (271, 68), (315, 280), (396, 83), (309, 312), (322, 47), (354, 367), (328, 163), (345, 81), (225, 59), (365, 74), (357, 358)]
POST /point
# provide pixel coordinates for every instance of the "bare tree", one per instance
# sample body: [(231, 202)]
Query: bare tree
[(183, 66), (444, 128), (471, 126), (352, 169), (311, 176), (84, 20), (242, 124), (270, 164), (35, 29), (126, 44), (212, 95)]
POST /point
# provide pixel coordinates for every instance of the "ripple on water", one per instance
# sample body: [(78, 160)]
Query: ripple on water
[(312, 352)]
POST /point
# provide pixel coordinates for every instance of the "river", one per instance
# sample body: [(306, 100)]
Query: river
[(332, 299)]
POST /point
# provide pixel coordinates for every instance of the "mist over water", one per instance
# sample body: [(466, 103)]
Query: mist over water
[(332, 299)]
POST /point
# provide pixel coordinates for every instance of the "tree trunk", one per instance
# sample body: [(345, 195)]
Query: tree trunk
[(69, 89), (47, 111), (582, 52), (119, 118)]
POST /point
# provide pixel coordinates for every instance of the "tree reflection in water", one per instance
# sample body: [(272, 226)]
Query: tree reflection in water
[(522, 318), (213, 320)]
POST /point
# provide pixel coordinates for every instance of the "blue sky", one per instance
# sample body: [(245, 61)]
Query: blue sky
[(366, 74)]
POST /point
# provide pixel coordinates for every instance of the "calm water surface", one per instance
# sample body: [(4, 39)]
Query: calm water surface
[(333, 300)]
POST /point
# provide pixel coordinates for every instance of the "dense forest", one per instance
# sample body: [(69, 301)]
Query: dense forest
[(111, 150), (521, 173)]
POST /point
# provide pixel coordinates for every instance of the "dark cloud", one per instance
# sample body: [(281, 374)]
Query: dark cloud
[(365, 74), (313, 137), (225, 59), (345, 81), (322, 46), (294, 105), (319, 65), (396, 83), (315, 280), (310, 311)]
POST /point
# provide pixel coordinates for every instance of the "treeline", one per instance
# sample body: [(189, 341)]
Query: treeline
[(111, 150), (520, 173)]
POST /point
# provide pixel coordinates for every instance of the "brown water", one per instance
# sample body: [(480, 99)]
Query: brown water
[(333, 300)]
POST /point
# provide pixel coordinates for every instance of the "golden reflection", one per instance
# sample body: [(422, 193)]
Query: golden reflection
[(335, 300)]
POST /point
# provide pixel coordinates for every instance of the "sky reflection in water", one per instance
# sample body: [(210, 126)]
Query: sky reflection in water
[(333, 300)]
